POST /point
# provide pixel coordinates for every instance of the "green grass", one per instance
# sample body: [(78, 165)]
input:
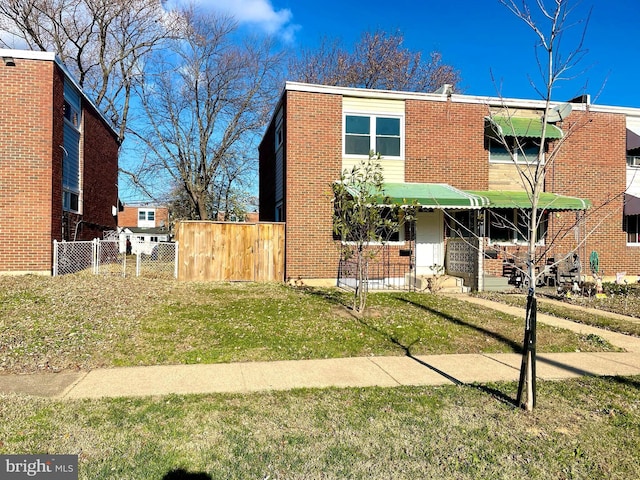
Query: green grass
[(582, 428), (89, 322), (625, 305)]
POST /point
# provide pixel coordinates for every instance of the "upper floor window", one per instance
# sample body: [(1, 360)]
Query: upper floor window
[(512, 138), (146, 217), (524, 151), (377, 134)]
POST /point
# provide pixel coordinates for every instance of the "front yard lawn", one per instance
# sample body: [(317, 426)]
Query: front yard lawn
[(86, 322)]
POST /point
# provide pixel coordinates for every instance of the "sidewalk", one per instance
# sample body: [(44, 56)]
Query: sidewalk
[(347, 372)]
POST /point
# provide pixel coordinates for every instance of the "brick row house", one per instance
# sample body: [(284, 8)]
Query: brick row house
[(440, 150), (58, 162), (144, 226)]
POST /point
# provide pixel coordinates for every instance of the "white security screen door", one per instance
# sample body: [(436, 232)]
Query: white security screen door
[(429, 241)]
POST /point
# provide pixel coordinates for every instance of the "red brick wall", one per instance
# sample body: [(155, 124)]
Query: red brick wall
[(445, 144), (314, 158), (592, 164), (25, 166), (128, 217), (31, 120)]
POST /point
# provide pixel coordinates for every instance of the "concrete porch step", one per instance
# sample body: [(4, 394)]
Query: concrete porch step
[(440, 284)]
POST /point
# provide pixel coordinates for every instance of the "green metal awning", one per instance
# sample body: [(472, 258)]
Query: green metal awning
[(432, 195), (522, 127), (519, 199)]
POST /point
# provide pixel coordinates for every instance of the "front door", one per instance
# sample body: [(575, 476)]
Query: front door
[(429, 241)]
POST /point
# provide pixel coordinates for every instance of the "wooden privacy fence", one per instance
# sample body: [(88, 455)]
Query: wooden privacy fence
[(218, 251)]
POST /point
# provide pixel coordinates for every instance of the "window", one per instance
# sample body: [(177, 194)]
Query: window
[(632, 227), (511, 226), (528, 151), (460, 224), (146, 217), (365, 134), (71, 149), (154, 239), (70, 201)]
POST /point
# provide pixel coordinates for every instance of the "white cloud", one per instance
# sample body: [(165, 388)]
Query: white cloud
[(259, 13)]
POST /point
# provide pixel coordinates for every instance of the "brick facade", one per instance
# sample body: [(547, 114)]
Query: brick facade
[(445, 142), (592, 164), (31, 119), (313, 139)]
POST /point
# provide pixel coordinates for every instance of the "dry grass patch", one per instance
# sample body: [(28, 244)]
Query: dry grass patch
[(86, 322)]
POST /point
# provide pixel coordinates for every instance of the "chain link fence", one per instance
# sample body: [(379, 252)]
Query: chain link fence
[(162, 262), (107, 257)]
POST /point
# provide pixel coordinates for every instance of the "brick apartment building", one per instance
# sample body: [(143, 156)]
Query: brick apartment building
[(438, 145), (58, 162)]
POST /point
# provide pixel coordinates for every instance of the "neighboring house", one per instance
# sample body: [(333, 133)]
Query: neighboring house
[(58, 162), (144, 226), (439, 150)]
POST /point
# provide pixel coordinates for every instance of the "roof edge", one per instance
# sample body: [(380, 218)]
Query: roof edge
[(454, 98)]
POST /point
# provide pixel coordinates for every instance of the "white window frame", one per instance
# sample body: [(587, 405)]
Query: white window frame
[(143, 217), (372, 133)]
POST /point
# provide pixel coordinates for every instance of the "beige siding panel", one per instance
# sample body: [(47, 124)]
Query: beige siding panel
[(504, 176), (372, 105), (393, 170)]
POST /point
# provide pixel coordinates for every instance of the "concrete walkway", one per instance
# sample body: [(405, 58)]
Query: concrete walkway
[(347, 372)]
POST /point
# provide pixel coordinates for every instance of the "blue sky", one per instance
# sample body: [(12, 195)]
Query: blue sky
[(481, 38)]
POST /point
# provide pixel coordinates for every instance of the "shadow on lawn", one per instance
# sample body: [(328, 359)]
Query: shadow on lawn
[(181, 474), (501, 396), (515, 346), (338, 299)]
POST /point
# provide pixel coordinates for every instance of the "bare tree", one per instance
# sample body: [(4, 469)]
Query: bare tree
[(549, 21), (205, 101), (104, 43), (378, 60)]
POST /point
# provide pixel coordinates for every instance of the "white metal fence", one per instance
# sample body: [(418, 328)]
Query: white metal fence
[(104, 257)]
